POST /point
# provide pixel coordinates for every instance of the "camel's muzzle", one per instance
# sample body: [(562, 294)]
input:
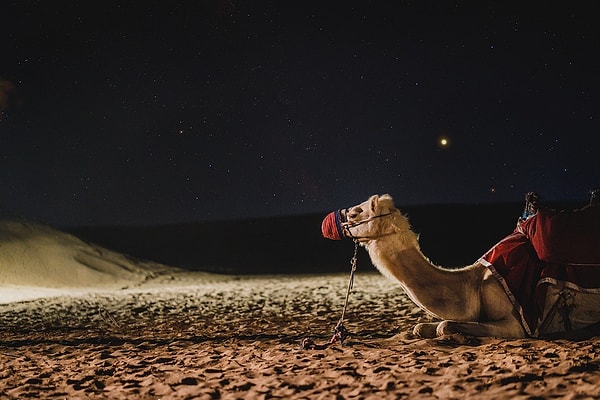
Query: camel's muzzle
[(335, 226), (331, 227)]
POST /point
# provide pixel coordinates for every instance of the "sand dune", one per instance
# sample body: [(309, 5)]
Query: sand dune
[(37, 261)]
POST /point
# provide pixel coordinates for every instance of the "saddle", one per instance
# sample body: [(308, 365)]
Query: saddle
[(550, 267), (565, 237)]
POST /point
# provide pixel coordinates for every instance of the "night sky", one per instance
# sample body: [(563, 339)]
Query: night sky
[(162, 112)]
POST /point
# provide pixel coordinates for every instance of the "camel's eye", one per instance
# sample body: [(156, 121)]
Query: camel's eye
[(355, 212)]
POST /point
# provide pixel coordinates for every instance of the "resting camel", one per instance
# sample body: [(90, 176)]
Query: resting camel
[(468, 300)]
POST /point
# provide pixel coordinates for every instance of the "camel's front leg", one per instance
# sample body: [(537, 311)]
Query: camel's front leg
[(504, 329), (426, 330)]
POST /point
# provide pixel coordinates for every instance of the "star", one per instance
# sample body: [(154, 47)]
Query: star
[(443, 142)]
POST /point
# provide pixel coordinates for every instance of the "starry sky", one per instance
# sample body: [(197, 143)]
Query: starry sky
[(180, 111)]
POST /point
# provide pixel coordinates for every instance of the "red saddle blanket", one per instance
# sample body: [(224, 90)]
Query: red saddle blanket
[(548, 248), (567, 237)]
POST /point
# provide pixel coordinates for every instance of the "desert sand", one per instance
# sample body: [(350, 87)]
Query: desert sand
[(128, 329)]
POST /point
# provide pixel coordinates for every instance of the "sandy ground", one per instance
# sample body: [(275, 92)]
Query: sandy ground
[(200, 336)]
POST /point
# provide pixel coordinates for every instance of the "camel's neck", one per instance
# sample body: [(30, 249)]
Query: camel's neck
[(439, 291)]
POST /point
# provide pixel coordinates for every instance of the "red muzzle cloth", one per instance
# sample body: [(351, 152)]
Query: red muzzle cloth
[(331, 227)]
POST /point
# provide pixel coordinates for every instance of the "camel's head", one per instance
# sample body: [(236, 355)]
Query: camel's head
[(361, 221)]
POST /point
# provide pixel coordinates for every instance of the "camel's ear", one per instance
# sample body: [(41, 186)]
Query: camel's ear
[(386, 200), (374, 202), (386, 197)]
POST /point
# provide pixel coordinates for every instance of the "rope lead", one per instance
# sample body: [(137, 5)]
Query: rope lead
[(340, 333)]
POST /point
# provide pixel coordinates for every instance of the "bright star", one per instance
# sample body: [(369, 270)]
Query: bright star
[(443, 142)]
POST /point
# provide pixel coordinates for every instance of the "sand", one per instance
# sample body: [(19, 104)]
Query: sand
[(194, 335), (39, 261), (81, 322)]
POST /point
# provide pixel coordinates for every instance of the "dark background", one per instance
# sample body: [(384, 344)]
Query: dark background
[(167, 112), (451, 236)]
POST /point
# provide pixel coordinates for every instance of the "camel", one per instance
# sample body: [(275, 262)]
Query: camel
[(473, 300), (468, 300)]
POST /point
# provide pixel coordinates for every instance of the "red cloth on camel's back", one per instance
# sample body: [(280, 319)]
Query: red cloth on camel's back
[(551, 247), (565, 237)]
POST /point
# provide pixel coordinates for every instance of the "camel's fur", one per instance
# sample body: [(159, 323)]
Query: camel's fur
[(469, 300)]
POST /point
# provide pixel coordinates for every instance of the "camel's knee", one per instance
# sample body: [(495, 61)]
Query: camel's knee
[(445, 328), (425, 330)]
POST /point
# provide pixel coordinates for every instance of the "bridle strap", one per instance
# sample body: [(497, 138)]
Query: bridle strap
[(347, 226)]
